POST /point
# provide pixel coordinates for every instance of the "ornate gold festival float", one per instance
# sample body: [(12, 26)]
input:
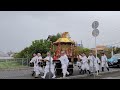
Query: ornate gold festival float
[(65, 44)]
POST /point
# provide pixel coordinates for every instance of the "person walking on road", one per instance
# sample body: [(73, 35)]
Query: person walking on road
[(33, 61), (38, 68), (97, 63), (49, 64), (85, 66), (64, 62), (91, 59), (104, 62), (79, 63)]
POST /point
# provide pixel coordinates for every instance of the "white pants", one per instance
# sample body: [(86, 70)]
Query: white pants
[(64, 70), (104, 64), (85, 66), (52, 69), (96, 66), (38, 70), (79, 64), (91, 66), (34, 68)]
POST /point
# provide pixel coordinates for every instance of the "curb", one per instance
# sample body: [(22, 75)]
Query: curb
[(88, 76)]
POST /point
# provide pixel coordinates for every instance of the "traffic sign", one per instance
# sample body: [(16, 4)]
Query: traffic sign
[(95, 24), (95, 32)]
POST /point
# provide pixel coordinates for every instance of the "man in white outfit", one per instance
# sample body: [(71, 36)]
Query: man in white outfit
[(85, 65), (96, 64), (79, 62), (33, 61), (64, 62), (104, 62), (49, 64), (38, 68), (91, 58)]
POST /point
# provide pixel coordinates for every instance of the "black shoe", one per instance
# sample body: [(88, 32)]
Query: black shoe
[(80, 71), (33, 73), (89, 72), (98, 71), (36, 77), (108, 69), (102, 69)]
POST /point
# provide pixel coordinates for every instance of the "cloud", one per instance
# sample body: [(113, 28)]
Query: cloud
[(19, 28)]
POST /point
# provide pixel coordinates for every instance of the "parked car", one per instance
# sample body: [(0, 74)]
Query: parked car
[(114, 61)]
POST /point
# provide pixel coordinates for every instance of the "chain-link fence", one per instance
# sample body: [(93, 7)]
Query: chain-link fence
[(13, 63)]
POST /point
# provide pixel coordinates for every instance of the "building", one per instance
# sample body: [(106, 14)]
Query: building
[(100, 48)]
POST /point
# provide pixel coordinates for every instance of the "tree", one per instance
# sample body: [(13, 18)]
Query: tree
[(42, 46), (54, 38), (80, 50)]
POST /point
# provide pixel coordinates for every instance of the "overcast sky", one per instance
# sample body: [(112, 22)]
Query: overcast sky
[(19, 28)]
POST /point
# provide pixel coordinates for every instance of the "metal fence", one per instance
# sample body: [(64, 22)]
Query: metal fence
[(20, 61)]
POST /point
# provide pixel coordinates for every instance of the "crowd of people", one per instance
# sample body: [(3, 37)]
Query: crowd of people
[(50, 65), (92, 63), (86, 64)]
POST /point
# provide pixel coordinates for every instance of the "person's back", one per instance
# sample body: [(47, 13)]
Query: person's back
[(104, 62), (85, 65), (64, 62)]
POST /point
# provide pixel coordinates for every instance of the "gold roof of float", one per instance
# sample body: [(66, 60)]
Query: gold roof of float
[(64, 39)]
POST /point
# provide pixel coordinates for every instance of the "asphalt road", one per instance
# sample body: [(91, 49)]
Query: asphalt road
[(112, 76), (26, 73)]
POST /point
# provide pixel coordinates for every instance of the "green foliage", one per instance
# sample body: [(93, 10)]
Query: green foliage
[(55, 37), (116, 50), (42, 46), (81, 50)]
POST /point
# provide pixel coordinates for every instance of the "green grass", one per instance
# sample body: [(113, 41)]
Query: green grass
[(10, 65)]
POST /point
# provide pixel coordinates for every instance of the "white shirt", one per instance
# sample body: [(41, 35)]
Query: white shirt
[(67, 60), (34, 59), (39, 59), (103, 58), (48, 58), (64, 60), (97, 60), (91, 58), (84, 59)]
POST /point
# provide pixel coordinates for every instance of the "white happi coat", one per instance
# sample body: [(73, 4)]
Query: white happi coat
[(79, 62), (84, 65), (50, 65), (91, 59), (96, 63), (104, 61), (64, 62), (38, 68), (33, 61)]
